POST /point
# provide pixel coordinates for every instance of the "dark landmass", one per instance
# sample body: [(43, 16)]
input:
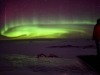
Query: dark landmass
[(92, 61), (71, 46)]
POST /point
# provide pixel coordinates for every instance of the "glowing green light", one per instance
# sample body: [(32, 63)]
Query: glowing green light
[(21, 29), (33, 32)]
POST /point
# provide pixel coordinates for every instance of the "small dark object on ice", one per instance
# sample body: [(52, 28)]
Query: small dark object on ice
[(53, 56), (45, 56), (41, 55), (89, 46)]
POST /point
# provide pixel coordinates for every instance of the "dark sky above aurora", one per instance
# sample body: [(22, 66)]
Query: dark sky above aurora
[(25, 19)]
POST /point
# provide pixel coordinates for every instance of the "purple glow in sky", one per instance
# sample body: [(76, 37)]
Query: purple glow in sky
[(83, 10)]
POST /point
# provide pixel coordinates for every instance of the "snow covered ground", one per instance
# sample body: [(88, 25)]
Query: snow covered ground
[(36, 47), (12, 64)]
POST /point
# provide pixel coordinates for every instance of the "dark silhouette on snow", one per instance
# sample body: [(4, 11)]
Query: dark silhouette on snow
[(96, 36)]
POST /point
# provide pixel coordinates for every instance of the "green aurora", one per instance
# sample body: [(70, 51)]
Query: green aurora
[(23, 29)]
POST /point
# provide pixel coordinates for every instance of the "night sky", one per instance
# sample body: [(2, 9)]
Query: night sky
[(29, 19)]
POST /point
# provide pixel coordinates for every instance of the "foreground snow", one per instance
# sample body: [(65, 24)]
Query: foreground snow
[(22, 62), (25, 65)]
